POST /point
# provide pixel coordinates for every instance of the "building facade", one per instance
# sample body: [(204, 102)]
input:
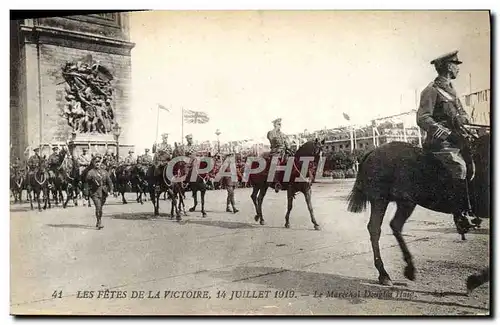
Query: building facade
[(53, 58)]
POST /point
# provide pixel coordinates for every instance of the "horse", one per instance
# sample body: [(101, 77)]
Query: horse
[(198, 185), (38, 182), (55, 179), (69, 178), (17, 182), (158, 183), (260, 183), (139, 181), (403, 173), (124, 178)]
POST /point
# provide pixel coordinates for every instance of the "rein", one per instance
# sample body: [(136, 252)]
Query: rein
[(42, 181)]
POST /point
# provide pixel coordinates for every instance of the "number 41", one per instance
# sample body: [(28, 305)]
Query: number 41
[(57, 294)]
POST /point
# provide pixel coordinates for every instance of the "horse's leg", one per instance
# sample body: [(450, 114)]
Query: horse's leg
[(290, 197), (378, 208), (46, 201), (403, 212), (30, 197), (69, 194), (202, 197), (182, 205), (38, 191), (152, 193), (195, 200), (260, 199), (122, 192), (255, 191), (308, 197)]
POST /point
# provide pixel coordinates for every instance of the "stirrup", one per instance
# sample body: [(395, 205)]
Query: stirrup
[(277, 187)]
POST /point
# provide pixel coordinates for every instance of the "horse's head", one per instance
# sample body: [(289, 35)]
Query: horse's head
[(312, 148)]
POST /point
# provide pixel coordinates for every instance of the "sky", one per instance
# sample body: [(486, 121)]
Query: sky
[(246, 68)]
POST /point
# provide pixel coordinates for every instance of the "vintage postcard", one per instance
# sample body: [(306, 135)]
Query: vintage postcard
[(250, 163)]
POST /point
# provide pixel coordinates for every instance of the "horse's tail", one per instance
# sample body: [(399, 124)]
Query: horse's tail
[(357, 198)]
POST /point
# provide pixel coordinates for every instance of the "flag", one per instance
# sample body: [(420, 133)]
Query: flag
[(160, 106), (195, 117), (346, 116)]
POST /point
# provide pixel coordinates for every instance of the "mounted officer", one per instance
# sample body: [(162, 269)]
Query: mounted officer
[(53, 162), (279, 148), (34, 161), (145, 159), (100, 185), (129, 160), (443, 117), (109, 160)]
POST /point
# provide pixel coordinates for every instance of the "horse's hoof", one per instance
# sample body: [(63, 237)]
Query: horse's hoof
[(191, 209), (384, 280), (262, 222), (256, 218), (203, 215), (125, 202), (316, 227), (179, 218), (410, 272), (287, 225)]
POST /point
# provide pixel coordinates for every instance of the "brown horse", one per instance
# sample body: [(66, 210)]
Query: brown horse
[(38, 182), (260, 183), (402, 173)]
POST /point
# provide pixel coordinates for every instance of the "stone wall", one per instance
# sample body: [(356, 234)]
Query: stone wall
[(39, 50)]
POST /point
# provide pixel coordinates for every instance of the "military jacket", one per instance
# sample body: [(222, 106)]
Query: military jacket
[(53, 160), (439, 106), (129, 160), (99, 180), (277, 140), (34, 161)]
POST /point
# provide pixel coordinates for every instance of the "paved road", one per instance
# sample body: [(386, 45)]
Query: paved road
[(197, 266)]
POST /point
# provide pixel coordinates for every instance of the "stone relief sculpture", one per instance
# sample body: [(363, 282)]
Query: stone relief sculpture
[(88, 95)]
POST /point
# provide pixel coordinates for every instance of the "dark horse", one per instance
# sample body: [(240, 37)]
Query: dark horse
[(38, 182), (158, 183), (402, 173), (17, 182), (260, 182), (69, 178), (199, 184)]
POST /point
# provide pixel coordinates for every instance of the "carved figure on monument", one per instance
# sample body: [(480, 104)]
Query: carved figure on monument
[(89, 97)]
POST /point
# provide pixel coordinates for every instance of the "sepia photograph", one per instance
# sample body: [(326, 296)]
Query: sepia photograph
[(250, 162)]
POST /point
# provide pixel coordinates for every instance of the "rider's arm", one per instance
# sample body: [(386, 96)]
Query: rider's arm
[(428, 100)]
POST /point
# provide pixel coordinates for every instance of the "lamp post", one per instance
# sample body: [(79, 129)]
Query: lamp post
[(217, 133), (117, 130)]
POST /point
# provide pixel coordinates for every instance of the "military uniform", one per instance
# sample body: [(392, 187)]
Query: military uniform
[(145, 159), (53, 162), (108, 160), (279, 147), (34, 161), (230, 187), (100, 185), (442, 116), (129, 160)]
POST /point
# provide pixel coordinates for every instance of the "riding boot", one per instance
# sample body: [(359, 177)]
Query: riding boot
[(461, 199)]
